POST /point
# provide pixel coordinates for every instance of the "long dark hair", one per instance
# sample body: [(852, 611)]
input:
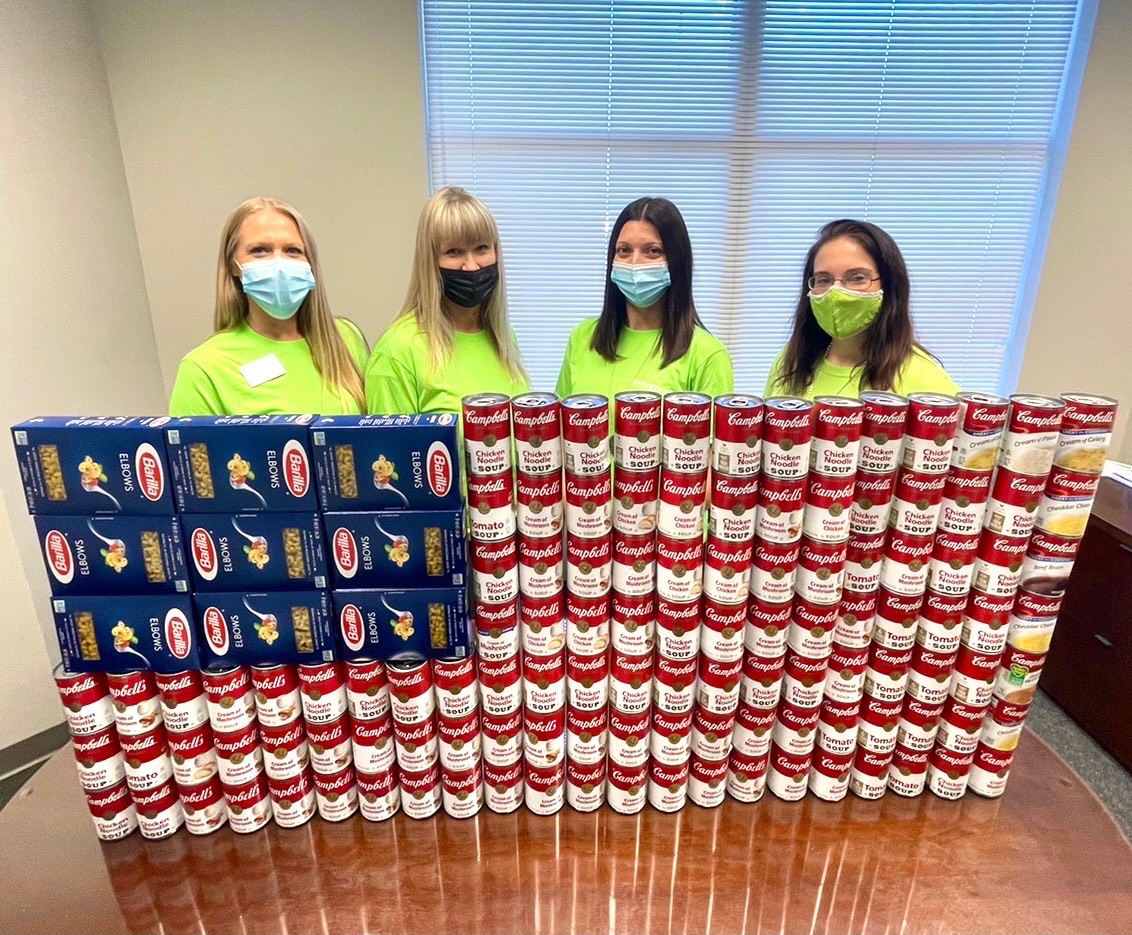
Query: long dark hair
[(679, 319), (889, 340)]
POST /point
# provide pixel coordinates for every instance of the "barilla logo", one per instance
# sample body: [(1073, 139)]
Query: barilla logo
[(204, 553), (345, 551), (147, 467), (216, 630), (296, 469), (59, 558), (178, 634), (439, 462)]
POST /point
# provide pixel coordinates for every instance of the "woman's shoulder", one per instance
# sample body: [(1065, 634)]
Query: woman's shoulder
[(705, 343), (403, 334), (217, 346), (923, 373), (584, 331)]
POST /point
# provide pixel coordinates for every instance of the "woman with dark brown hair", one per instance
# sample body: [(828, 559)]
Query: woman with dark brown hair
[(852, 324)]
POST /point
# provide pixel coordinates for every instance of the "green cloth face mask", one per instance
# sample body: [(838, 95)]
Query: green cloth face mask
[(843, 313)]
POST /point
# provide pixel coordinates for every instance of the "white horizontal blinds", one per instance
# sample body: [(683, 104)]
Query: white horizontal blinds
[(761, 121)]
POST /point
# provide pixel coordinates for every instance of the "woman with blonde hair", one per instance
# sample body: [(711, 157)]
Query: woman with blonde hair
[(276, 347), (452, 337)]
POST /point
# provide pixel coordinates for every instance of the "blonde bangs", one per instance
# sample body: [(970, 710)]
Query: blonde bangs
[(462, 221)]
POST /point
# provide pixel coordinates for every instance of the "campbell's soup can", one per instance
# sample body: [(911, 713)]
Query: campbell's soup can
[(636, 431), (503, 786), (589, 505), (411, 697), (491, 507), (711, 734), (668, 786), (1086, 432), (239, 756), (796, 728), (1032, 621), (113, 812), (544, 788), (487, 433), (872, 500), (589, 566), (185, 707), (919, 724), (821, 571), (544, 624), (379, 795), (812, 627), (707, 781), (502, 737), (330, 745), (845, 679), (585, 786), (203, 806), (285, 750), (277, 699), (736, 448), (986, 622), (495, 571), (626, 787), (964, 504), (674, 684), (457, 691), (915, 506), (1029, 443), (905, 566), (680, 512), (762, 680), (587, 681), (837, 726), (982, 420), (537, 424), (727, 571), (540, 510), (940, 626), (635, 496), (721, 632), (137, 704), (781, 509), (733, 507), (869, 776), (585, 434), (99, 760), (231, 701), (544, 682), (930, 675), (863, 559), (678, 628), (1066, 503), (634, 564), (972, 681), (804, 680), (948, 772), (147, 759), (686, 432), (837, 426), (960, 726), (908, 771), (336, 795), (367, 690), (630, 682), (629, 737), (633, 623), (774, 569), (159, 811), (896, 619), (322, 688), (193, 754), (829, 775), (500, 686), (882, 431), (998, 564), (462, 792), (587, 623), (493, 620), (1017, 678), (753, 727), (788, 773), (1014, 501), (856, 615), (1048, 563), (670, 739), (825, 516), (952, 566), (929, 434), (787, 438), (497, 644), (989, 771), (887, 674), (460, 745), (717, 690), (586, 735), (420, 792), (746, 776), (767, 627), (1000, 735), (679, 568)]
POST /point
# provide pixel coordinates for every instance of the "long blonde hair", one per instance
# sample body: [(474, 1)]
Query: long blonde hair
[(331, 356), (453, 215)]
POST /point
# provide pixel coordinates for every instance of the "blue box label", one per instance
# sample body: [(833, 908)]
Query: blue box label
[(418, 623), (397, 548), (255, 551), (266, 628)]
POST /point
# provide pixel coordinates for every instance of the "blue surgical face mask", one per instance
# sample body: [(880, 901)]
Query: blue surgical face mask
[(278, 285), (643, 283)]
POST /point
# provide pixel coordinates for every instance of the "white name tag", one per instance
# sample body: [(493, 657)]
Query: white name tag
[(260, 371)]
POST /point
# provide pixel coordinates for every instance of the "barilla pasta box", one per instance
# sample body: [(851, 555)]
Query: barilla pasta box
[(266, 628), (86, 465), (116, 633), (411, 623), (113, 554), (396, 548), (387, 462), (238, 464), (255, 551)]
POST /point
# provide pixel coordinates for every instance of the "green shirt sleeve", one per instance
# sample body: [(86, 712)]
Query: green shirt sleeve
[(355, 341), (716, 377), (922, 373), (390, 386), (194, 392)]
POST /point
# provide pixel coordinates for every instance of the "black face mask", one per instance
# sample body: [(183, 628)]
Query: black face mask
[(469, 288)]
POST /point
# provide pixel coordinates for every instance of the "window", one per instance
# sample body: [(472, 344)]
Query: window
[(943, 122)]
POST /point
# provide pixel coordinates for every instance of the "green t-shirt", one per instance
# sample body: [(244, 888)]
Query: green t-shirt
[(398, 381), (921, 373), (705, 368), (210, 381)]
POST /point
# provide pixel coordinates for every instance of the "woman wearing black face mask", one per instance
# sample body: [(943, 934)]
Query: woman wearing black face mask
[(452, 337)]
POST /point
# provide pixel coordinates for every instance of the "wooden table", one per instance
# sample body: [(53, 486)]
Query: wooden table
[(1045, 857)]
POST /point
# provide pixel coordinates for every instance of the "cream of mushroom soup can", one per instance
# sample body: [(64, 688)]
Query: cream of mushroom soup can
[(990, 771), (502, 738), (585, 435), (277, 698), (788, 775), (372, 744), (585, 785), (249, 806), (634, 565), (113, 812), (787, 437), (637, 430), (193, 754), (774, 571), (629, 738), (137, 703), (821, 573), (417, 746), (929, 434), (293, 800), (537, 424), (1033, 426), (159, 811), (855, 617), (753, 726), (829, 775), (905, 566), (670, 739), (795, 731), (812, 626), (707, 781), (781, 509), (746, 776), (540, 511), (497, 630), (204, 807), (544, 788), (626, 787), (767, 627), (733, 506), (379, 795), (634, 506), (501, 687), (487, 433), (589, 566), (462, 792), (460, 744), (231, 702), (586, 735), (420, 792), (541, 573), (633, 623), (882, 431), (668, 785), (845, 680), (491, 507), (503, 786), (711, 734), (736, 448), (239, 756)]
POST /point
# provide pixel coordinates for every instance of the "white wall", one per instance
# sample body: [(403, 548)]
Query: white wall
[(77, 336), (317, 103)]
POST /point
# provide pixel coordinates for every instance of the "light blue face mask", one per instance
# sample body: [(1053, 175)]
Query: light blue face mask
[(278, 285), (643, 283)]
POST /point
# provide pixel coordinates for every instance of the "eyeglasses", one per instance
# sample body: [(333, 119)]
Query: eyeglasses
[(858, 280)]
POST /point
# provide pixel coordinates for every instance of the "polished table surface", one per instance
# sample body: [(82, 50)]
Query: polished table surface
[(1045, 857)]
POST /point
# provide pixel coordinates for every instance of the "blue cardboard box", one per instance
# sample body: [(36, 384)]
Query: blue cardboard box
[(266, 628), (239, 464), (255, 551), (413, 623), (397, 548), (366, 463), (113, 554), (83, 465), (125, 633)]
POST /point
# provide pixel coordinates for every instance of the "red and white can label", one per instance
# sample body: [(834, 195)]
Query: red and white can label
[(492, 619), (746, 776), (674, 684), (988, 634), (193, 754), (753, 727), (896, 619), (989, 771), (636, 431), (811, 628), (919, 724), (99, 760), (707, 781), (420, 792), (929, 435), (717, 691), (249, 805), (837, 422), (487, 433), (626, 787), (999, 736), (872, 498), (767, 628), (711, 734), (774, 569), (905, 566), (882, 431), (336, 796), (1032, 623), (460, 747), (998, 564), (972, 689), (239, 757), (670, 739), (113, 812), (634, 564), (964, 504), (982, 420), (733, 509), (686, 432), (495, 645), (204, 807), (796, 728), (845, 678), (322, 688), (544, 737), (915, 506), (721, 633), (285, 750), (727, 571), (585, 786), (821, 570), (500, 686), (417, 746), (680, 512), (908, 772), (457, 691), (630, 683), (679, 571), (1017, 678), (502, 737), (1068, 499), (952, 566), (787, 437), (159, 811), (277, 699), (737, 446), (804, 680), (540, 510), (837, 726), (668, 786), (183, 700), (137, 706), (930, 676), (629, 737), (1013, 503), (941, 622), (887, 673), (1086, 432), (869, 777), (958, 739), (825, 517), (780, 511), (876, 730), (491, 507), (635, 496), (678, 629), (863, 559), (495, 571), (788, 775), (1031, 437), (231, 703), (587, 681), (379, 795), (586, 735), (544, 788), (537, 424), (633, 626), (762, 680), (411, 697), (544, 682), (331, 748), (585, 434), (587, 624), (589, 505), (147, 760), (589, 566), (544, 624), (829, 775), (856, 615), (503, 786), (367, 690)]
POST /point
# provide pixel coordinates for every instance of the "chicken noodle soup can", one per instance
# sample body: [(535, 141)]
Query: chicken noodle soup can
[(537, 424), (585, 434), (837, 426), (630, 683), (736, 448), (495, 571), (491, 507), (733, 507), (540, 511), (674, 685), (487, 433), (717, 689), (500, 687), (277, 699), (686, 433), (113, 812), (457, 691), (183, 701), (952, 565), (982, 421), (762, 681), (367, 690), (916, 504), (948, 772), (159, 811), (929, 434), (322, 688), (681, 507), (872, 498), (964, 504), (678, 628), (99, 760), (379, 795), (137, 703), (787, 438), (544, 682), (804, 681), (1086, 432), (585, 785), (503, 786), (587, 681), (882, 431), (753, 727), (637, 431), (998, 564), (1013, 503), (1032, 429), (411, 697)]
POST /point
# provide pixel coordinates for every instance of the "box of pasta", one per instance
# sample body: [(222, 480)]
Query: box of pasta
[(113, 554), (366, 463), (240, 464), (255, 551), (86, 465), (396, 548), (124, 633), (274, 627), (413, 623)]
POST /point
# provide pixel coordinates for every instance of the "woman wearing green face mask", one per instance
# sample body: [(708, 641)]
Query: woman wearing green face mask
[(852, 325)]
